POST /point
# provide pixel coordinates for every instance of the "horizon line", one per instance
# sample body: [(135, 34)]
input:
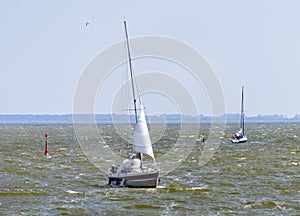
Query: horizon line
[(64, 114)]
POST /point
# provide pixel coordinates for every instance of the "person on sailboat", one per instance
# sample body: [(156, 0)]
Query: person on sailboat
[(239, 134)]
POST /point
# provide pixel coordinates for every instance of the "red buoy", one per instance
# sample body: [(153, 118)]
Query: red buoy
[(46, 144)]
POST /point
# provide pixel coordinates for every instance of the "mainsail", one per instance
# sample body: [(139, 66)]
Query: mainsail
[(142, 142), (242, 121)]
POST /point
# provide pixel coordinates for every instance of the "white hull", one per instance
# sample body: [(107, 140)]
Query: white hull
[(241, 140)]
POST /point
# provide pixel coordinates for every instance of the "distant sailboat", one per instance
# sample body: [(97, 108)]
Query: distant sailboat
[(240, 136), (132, 172)]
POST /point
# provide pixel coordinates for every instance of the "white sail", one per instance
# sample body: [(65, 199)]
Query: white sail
[(142, 142)]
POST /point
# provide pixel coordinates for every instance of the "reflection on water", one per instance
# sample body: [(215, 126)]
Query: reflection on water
[(260, 176)]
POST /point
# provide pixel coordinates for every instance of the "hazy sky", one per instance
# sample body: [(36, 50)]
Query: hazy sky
[(45, 47)]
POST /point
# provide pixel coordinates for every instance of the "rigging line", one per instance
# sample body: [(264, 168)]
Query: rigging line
[(131, 72), (138, 92), (125, 78)]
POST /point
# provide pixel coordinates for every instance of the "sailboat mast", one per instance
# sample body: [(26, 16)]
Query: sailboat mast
[(131, 73), (242, 111)]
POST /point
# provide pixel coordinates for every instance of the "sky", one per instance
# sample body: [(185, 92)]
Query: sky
[(46, 46)]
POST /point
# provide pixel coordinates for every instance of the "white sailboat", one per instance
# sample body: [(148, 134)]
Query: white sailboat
[(240, 136), (132, 172)]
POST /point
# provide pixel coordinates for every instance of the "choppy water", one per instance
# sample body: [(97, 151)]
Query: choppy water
[(259, 177)]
